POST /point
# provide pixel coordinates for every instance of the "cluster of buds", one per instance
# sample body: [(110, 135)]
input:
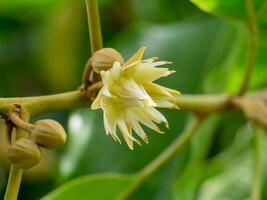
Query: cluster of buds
[(25, 153)]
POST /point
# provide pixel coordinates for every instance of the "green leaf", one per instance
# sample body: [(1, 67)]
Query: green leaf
[(234, 170), (80, 132), (231, 184), (185, 188), (258, 79), (9, 7), (62, 48), (228, 61), (149, 10), (95, 187), (227, 8)]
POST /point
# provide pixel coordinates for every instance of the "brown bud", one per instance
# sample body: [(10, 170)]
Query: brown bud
[(48, 134), (103, 59), (24, 153)]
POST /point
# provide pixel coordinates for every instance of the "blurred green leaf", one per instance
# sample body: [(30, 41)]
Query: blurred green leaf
[(60, 40), (96, 187), (258, 79), (211, 39), (227, 8), (234, 170), (15, 7), (185, 188), (231, 184), (218, 78), (203, 164), (149, 10), (80, 132)]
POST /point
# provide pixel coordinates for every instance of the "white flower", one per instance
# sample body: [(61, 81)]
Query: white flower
[(129, 97)]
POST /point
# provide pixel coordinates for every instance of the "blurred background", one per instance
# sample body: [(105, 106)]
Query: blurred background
[(44, 45)]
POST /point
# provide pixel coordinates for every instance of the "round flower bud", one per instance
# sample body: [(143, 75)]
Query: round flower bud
[(48, 134), (24, 153), (103, 59)]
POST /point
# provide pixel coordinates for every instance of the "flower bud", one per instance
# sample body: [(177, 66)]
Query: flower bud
[(48, 134), (24, 153), (103, 59)]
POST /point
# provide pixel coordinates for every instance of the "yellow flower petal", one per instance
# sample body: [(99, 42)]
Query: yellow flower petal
[(136, 57), (96, 103)]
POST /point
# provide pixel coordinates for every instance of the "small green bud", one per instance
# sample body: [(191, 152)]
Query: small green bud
[(48, 134), (103, 59), (24, 153)]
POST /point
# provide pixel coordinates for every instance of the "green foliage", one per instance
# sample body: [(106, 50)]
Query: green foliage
[(97, 187), (234, 180), (14, 7), (231, 9)]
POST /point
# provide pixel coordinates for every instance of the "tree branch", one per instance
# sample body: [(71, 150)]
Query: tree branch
[(47, 104), (78, 99)]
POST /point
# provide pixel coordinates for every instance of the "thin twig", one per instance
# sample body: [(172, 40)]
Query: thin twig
[(253, 46), (96, 40), (86, 74), (15, 174), (256, 182), (159, 161), (18, 122), (94, 25), (14, 181), (8, 128)]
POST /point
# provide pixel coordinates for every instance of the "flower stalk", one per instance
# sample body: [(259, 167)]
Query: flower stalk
[(94, 25), (96, 40), (15, 174), (14, 181), (18, 122)]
